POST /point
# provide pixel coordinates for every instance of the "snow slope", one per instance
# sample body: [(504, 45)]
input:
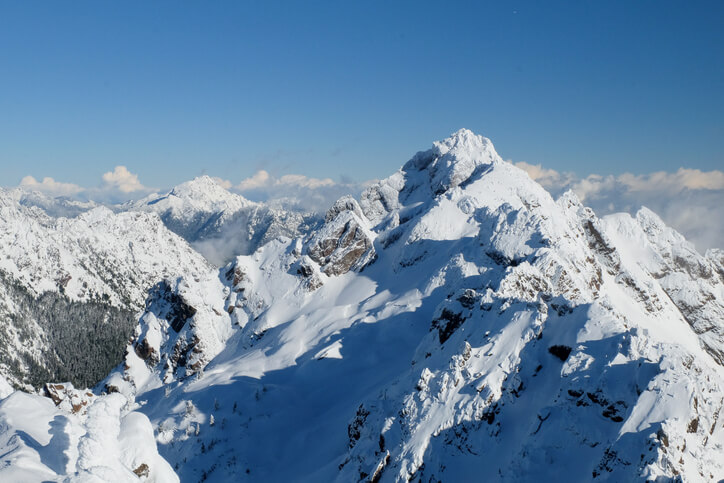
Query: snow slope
[(103, 442), (456, 323)]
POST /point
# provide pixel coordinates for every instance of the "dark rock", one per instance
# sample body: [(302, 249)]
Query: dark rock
[(447, 323), (142, 471), (560, 351), (343, 244), (176, 311)]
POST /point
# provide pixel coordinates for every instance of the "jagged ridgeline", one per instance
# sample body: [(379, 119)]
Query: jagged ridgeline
[(74, 275), (60, 339)]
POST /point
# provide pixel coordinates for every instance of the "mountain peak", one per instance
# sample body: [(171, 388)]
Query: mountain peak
[(455, 162), (204, 185), (464, 142), (456, 323), (201, 194), (454, 159)]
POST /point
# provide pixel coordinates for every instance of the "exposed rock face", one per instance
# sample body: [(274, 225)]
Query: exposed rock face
[(162, 304), (68, 398), (345, 242), (346, 203), (175, 309), (181, 330), (311, 273)]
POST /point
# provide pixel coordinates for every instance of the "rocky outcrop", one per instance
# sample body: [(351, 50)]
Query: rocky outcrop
[(345, 242), (68, 398), (310, 272), (175, 309), (183, 327)]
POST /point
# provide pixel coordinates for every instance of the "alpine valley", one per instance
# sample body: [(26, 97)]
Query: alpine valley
[(453, 323)]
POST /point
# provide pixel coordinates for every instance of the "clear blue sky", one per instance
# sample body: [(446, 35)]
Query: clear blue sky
[(174, 89)]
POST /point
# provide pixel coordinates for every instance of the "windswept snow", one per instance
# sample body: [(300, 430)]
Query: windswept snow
[(102, 443)]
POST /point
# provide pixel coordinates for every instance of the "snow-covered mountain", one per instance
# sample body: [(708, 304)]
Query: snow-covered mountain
[(70, 288), (218, 223), (59, 206), (65, 259), (454, 324)]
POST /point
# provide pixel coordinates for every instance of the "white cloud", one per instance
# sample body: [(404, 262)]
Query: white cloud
[(538, 172), (260, 179), (688, 200), (123, 180), (49, 186), (693, 179), (305, 182), (117, 186), (548, 178), (296, 190), (224, 183)]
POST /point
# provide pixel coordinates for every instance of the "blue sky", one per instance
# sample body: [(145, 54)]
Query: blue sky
[(352, 89)]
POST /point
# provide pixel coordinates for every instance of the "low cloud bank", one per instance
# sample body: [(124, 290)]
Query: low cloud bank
[(117, 186), (294, 191), (49, 186)]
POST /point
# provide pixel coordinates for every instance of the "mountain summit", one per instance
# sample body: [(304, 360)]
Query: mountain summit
[(455, 323), (218, 223), (201, 194)]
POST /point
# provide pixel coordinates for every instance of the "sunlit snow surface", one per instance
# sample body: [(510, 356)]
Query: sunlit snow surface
[(102, 443), (496, 334)]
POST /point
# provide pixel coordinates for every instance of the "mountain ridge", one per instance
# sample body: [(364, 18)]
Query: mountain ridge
[(456, 322), (459, 257), (97, 266)]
